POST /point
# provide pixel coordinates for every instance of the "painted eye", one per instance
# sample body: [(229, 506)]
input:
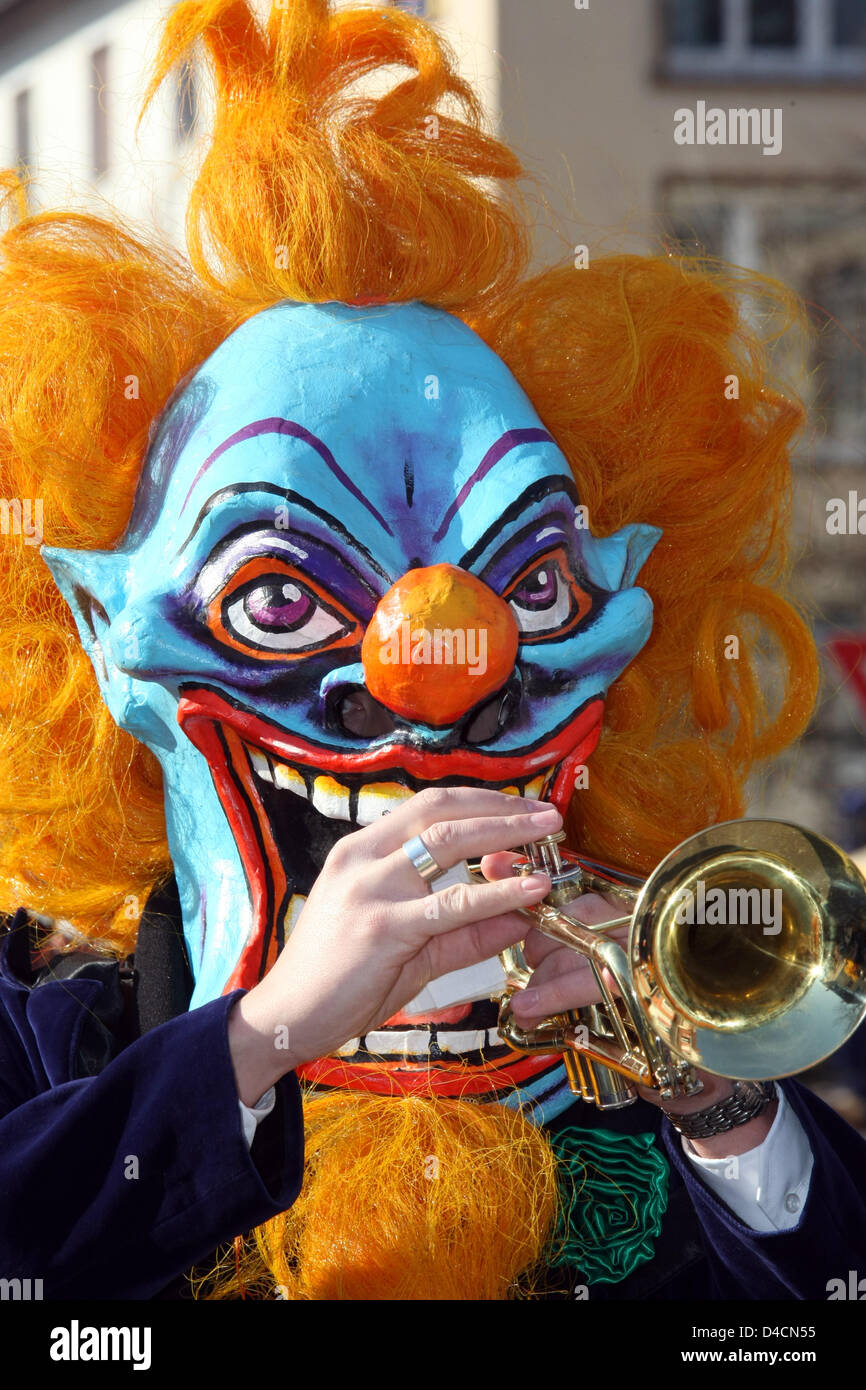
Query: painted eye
[(546, 599), (281, 616), (268, 608)]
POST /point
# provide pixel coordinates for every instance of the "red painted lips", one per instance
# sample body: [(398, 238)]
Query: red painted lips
[(223, 733)]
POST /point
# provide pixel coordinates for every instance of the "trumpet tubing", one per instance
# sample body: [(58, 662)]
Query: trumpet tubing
[(746, 957)]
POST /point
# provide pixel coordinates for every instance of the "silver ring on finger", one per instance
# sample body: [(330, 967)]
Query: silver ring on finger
[(421, 859)]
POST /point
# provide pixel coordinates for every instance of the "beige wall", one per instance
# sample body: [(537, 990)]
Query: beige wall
[(580, 100), (472, 29)]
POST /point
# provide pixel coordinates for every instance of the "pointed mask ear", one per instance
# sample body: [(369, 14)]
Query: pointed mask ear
[(613, 562), (88, 580)]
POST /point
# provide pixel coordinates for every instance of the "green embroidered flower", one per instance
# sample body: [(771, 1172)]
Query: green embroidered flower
[(613, 1193)]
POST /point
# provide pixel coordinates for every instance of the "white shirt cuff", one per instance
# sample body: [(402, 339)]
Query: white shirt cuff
[(767, 1187), (251, 1114)]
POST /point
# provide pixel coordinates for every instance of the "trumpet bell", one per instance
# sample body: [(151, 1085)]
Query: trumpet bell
[(748, 949)]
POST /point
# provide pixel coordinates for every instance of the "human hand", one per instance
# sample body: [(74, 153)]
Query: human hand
[(371, 934), (731, 1142), (562, 978)]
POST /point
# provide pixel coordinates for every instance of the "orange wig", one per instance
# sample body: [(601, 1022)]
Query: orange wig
[(313, 189)]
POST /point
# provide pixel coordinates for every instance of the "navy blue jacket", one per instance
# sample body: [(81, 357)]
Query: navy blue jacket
[(123, 1160), (113, 1183)]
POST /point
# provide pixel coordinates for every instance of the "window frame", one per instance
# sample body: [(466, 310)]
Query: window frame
[(22, 102), (745, 201), (813, 58), (100, 132)]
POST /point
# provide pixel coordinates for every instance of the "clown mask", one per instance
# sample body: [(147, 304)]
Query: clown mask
[(357, 565)]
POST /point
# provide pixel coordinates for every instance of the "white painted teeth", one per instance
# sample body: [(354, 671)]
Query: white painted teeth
[(333, 799), (377, 798), (289, 780), (534, 789), (261, 764), (416, 1042), (461, 1042), (295, 908)]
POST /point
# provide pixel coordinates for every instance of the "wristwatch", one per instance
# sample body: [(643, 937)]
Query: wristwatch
[(748, 1099)]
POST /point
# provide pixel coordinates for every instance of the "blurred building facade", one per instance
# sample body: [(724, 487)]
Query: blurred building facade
[(72, 76), (591, 93)]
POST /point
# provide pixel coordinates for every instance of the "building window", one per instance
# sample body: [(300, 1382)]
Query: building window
[(23, 143), (185, 103), (774, 24), (811, 236), (99, 110), (849, 24), (698, 25), (839, 292), (809, 39)]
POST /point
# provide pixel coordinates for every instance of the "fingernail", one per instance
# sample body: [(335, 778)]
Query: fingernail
[(532, 882), (527, 998), (546, 817)]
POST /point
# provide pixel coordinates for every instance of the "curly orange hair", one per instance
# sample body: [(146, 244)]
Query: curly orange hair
[(314, 189)]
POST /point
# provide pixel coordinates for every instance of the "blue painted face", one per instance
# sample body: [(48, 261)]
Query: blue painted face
[(320, 454)]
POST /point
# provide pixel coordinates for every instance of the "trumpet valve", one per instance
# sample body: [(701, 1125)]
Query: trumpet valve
[(564, 870), (544, 855)]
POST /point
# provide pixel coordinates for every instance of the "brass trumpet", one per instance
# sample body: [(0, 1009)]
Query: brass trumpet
[(770, 980)]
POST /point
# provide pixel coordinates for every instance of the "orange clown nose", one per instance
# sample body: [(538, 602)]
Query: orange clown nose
[(439, 642)]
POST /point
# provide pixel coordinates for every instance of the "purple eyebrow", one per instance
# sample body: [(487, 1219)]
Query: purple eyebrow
[(503, 446), (276, 425)]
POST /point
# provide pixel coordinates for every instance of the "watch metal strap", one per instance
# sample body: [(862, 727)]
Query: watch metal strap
[(748, 1099)]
